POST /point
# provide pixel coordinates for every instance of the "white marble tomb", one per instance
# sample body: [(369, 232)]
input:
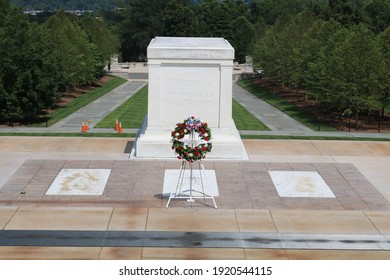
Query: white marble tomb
[(189, 77)]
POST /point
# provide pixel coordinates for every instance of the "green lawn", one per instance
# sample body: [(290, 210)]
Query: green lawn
[(128, 135), (132, 112), (284, 106), (244, 120), (70, 134), (80, 102), (328, 138)]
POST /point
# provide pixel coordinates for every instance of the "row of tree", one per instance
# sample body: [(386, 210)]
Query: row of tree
[(346, 68), (140, 22), (238, 21), (334, 49), (65, 4), (39, 61)]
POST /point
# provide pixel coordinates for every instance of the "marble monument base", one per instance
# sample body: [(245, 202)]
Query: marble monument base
[(156, 143)]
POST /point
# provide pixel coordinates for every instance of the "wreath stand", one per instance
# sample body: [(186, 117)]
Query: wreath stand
[(191, 194)]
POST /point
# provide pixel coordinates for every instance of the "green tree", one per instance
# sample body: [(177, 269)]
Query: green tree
[(4, 8), (142, 23), (351, 72), (179, 19), (78, 57), (276, 51), (29, 73), (383, 89), (213, 19), (378, 15), (243, 33), (347, 12), (98, 33), (317, 44), (228, 19), (268, 11), (298, 61)]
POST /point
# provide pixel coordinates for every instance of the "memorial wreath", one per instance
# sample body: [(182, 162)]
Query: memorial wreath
[(197, 130)]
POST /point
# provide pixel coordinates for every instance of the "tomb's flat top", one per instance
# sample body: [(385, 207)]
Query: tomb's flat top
[(189, 43)]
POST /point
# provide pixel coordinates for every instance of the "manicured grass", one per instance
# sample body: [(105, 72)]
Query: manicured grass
[(53, 134), (81, 101), (132, 135), (336, 138), (244, 120), (131, 113), (284, 106)]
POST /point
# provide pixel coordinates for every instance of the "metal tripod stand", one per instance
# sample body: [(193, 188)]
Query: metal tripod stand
[(191, 193)]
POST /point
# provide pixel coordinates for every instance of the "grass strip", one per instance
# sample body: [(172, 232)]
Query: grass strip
[(75, 134), (131, 113), (81, 101), (244, 120), (288, 108), (243, 136), (297, 137)]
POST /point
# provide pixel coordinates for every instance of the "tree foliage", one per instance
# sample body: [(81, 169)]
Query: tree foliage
[(142, 23), (77, 56), (66, 4), (335, 50), (38, 61), (28, 69), (340, 61), (179, 19)]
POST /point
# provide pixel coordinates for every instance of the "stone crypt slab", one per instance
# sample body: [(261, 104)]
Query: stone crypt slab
[(189, 77), (79, 182), (171, 177), (300, 184)]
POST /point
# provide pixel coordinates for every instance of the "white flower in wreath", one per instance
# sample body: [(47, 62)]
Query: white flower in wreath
[(177, 134), (190, 154), (205, 135), (185, 130)]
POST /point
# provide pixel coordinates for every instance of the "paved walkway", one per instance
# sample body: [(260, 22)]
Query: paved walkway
[(282, 124), (278, 122), (98, 109), (275, 120), (258, 222), (93, 112)]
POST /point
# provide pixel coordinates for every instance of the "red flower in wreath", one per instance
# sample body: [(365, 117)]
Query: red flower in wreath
[(200, 131)]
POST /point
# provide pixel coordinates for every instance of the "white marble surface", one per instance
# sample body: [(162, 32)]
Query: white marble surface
[(300, 184), (79, 182), (190, 47), (189, 84), (186, 91), (171, 179), (189, 76)]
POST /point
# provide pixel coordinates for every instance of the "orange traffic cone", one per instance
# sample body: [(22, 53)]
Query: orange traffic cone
[(120, 128), (86, 125), (116, 125), (83, 130)]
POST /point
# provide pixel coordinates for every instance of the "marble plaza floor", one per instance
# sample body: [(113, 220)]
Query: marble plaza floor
[(291, 200)]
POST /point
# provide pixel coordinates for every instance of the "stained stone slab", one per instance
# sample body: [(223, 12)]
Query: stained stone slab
[(177, 239), (171, 180), (300, 184), (79, 182)]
